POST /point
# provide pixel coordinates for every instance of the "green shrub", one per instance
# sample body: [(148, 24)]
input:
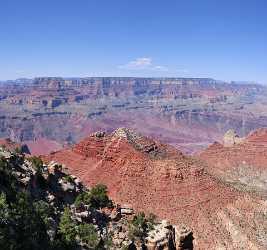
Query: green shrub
[(18, 150), (151, 221), (4, 209), (83, 199), (24, 228), (67, 227), (68, 178), (88, 235), (44, 210), (99, 197), (96, 198), (107, 242), (124, 247), (140, 226), (37, 163)]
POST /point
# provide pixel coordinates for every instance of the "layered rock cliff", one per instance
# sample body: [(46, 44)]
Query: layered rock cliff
[(187, 113), (157, 178), (242, 162)]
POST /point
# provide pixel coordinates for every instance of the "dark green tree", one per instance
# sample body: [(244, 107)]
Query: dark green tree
[(37, 163), (88, 235), (44, 210), (99, 197), (22, 227), (67, 227), (140, 226), (83, 199)]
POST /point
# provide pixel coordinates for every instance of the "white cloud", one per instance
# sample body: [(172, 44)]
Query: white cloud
[(184, 71), (161, 68), (20, 71), (143, 63)]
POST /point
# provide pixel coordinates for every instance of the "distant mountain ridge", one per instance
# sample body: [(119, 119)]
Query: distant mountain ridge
[(189, 113)]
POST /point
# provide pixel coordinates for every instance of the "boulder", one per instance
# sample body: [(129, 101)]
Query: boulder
[(183, 238), (231, 138)]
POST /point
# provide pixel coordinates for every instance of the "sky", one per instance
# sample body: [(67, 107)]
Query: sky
[(222, 39)]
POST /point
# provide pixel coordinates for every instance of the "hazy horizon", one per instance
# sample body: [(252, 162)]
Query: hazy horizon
[(148, 77)]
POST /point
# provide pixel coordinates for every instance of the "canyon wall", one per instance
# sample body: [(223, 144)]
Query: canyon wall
[(188, 113)]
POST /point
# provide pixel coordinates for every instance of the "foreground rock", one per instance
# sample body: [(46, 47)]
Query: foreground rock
[(54, 210)]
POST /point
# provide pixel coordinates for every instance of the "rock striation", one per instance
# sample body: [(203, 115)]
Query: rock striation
[(52, 190), (240, 161), (188, 113), (157, 178)]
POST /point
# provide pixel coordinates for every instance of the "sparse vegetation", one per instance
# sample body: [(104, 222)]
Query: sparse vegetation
[(151, 221), (25, 217), (71, 231), (99, 197), (30, 220), (96, 198), (88, 235), (140, 226), (68, 178), (37, 163), (18, 150), (83, 199), (67, 227)]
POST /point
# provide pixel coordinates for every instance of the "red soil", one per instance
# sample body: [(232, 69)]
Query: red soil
[(252, 151), (157, 178)]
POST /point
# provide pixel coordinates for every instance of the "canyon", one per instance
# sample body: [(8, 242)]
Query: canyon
[(43, 207), (188, 113), (190, 150), (157, 178)]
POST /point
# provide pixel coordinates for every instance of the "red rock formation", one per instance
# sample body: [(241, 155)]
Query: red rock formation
[(253, 151), (157, 178), (188, 113), (243, 164)]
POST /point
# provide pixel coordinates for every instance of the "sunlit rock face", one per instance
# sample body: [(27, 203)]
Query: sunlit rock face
[(231, 138), (188, 113), (155, 177), (240, 161)]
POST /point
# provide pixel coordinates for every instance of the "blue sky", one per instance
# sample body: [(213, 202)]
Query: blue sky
[(222, 39)]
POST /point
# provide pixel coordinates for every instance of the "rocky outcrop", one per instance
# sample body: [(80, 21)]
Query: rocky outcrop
[(231, 138), (240, 161), (53, 190), (166, 183), (165, 236)]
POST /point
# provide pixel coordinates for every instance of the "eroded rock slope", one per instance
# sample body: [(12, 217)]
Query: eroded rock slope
[(158, 178)]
